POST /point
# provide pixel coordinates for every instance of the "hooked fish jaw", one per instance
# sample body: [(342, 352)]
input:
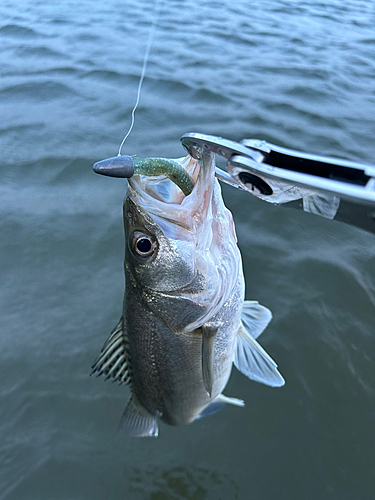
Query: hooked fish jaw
[(196, 264)]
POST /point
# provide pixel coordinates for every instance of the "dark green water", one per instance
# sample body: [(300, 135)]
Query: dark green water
[(300, 74)]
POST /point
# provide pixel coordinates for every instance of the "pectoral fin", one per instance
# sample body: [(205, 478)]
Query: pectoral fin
[(208, 340), (253, 361), (136, 421)]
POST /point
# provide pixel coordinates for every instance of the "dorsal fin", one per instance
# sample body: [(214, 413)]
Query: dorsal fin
[(113, 360)]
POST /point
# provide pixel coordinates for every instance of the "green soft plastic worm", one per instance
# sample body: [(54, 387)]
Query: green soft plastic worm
[(163, 166)]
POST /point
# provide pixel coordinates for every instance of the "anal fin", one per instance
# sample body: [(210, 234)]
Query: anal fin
[(230, 401), (136, 421), (218, 403), (208, 340), (211, 409)]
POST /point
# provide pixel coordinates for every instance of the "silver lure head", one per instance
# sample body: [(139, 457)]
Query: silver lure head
[(181, 248)]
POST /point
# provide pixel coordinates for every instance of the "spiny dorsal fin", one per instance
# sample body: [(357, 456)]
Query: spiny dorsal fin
[(208, 339), (113, 358), (253, 361), (255, 317), (136, 421)]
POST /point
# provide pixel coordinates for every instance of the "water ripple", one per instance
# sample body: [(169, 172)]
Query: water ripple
[(299, 74), (38, 91), (42, 51), (17, 31)]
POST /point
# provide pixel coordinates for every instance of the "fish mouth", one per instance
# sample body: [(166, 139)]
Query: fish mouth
[(200, 231), (164, 201), (161, 188)]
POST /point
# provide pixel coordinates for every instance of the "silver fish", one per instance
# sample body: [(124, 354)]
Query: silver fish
[(185, 321)]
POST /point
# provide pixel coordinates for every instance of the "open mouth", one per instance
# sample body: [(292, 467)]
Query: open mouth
[(166, 180), (176, 181), (176, 213)]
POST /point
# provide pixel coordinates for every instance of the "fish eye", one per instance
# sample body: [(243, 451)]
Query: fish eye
[(143, 245)]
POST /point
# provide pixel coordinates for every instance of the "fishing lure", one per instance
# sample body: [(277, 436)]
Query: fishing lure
[(126, 166), (153, 167)]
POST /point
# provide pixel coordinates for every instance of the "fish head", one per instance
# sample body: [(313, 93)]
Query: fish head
[(181, 251), (152, 258)]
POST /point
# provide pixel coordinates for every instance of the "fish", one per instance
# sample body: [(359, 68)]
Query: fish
[(185, 320)]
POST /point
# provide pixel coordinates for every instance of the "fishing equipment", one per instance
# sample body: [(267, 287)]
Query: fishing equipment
[(330, 187), (126, 166)]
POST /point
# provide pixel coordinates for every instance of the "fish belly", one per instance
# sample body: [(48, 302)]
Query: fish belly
[(167, 366)]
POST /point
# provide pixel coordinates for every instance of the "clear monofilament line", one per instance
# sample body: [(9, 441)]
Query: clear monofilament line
[(145, 61)]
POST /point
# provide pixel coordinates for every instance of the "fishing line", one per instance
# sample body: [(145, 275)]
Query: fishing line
[(145, 61)]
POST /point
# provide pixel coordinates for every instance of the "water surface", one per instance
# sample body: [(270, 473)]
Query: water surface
[(299, 74)]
